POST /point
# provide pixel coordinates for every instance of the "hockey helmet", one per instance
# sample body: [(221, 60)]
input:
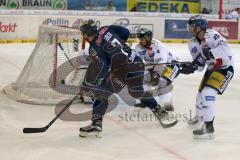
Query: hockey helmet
[(144, 32), (198, 20), (89, 27)]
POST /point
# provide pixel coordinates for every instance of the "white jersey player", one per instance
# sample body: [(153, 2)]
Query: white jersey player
[(157, 79), (208, 49)]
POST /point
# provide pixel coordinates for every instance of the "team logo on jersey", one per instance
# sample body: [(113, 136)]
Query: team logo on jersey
[(107, 36), (194, 50)]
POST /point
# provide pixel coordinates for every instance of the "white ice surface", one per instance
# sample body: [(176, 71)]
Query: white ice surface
[(122, 139)]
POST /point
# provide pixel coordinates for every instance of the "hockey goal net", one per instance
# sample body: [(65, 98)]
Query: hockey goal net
[(52, 73)]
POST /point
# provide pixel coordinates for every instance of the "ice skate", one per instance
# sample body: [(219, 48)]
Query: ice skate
[(205, 132), (93, 130), (164, 119)]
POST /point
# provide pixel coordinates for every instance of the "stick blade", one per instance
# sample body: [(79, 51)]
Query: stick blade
[(34, 130), (168, 125)]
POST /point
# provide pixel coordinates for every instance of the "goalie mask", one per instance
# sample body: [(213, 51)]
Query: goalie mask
[(145, 37)]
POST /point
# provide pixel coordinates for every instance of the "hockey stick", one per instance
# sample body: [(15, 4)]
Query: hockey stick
[(43, 129), (60, 46), (168, 125), (157, 64)]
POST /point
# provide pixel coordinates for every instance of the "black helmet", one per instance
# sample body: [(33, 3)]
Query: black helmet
[(144, 32), (89, 27), (198, 20)]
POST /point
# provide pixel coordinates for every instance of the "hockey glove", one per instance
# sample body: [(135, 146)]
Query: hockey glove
[(207, 53), (188, 68), (199, 61)]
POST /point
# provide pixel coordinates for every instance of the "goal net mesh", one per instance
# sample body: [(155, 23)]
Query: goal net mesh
[(52, 73)]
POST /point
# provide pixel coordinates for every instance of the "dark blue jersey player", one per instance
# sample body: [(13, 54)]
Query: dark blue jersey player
[(116, 70)]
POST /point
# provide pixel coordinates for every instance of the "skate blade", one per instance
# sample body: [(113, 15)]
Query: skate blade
[(204, 136), (90, 135)]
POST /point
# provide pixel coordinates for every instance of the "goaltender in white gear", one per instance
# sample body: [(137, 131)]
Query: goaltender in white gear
[(208, 49), (157, 78)]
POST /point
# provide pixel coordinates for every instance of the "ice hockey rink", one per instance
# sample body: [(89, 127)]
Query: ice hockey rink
[(123, 138)]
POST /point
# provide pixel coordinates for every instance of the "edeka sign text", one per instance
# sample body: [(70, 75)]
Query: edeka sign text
[(168, 6), (11, 27)]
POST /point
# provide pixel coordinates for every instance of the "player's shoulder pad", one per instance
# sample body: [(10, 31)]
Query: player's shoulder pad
[(155, 42), (211, 34), (122, 32)]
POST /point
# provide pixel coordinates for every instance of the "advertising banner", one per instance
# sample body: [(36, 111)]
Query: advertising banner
[(133, 24), (34, 4), (97, 5), (15, 27), (227, 29), (176, 29), (177, 6)]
